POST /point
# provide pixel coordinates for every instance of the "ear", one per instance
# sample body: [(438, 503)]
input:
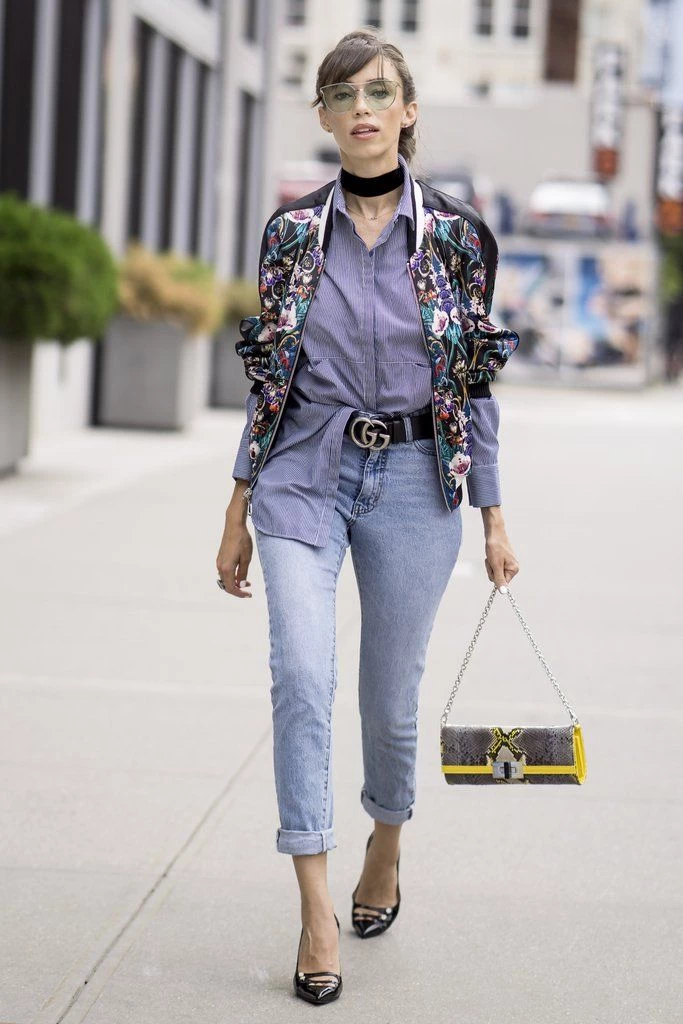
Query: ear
[(409, 114), (323, 119)]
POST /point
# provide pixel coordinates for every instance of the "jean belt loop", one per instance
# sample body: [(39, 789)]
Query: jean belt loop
[(409, 427)]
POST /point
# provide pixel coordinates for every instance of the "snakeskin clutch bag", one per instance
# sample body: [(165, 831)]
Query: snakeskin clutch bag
[(490, 754)]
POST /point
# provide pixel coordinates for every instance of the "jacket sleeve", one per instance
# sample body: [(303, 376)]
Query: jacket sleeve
[(488, 346), (257, 340)]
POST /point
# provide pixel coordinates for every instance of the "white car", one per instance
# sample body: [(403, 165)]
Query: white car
[(570, 207)]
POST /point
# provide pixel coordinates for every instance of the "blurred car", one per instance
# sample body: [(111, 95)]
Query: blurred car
[(301, 177), (569, 207), (457, 183)]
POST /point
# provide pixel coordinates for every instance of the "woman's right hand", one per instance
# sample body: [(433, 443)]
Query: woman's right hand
[(234, 554)]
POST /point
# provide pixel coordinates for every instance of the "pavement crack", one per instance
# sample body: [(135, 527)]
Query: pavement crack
[(136, 914)]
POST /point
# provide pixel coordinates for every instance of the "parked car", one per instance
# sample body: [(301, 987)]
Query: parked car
[(457, 183), (570, 207), (303, 176)]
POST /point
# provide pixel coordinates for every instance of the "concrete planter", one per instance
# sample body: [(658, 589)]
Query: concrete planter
[(15, 391), (153, 374), (229, 383)]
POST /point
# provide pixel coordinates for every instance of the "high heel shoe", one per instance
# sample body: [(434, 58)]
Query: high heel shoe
[(367, 925), (320, 991)]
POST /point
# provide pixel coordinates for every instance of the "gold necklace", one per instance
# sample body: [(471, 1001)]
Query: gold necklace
[(389, 209)]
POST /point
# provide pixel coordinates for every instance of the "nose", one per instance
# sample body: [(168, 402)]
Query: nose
[(361, 102)]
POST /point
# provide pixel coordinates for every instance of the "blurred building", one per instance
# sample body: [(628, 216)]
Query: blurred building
[(505, 86), (150, 119)]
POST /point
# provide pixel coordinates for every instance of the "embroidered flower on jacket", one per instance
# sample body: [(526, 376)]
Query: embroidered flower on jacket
[(460, 464), (440, 322), (287, 317)]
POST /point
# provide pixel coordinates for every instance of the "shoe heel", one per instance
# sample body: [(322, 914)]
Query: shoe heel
[(375, 924)]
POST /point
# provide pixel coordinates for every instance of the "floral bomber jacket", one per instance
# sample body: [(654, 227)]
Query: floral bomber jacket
[(452, 260)]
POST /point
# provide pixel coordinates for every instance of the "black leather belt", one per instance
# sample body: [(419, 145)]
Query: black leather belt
[(377, 432)]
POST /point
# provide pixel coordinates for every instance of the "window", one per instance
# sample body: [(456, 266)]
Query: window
[(246, 178), (199, 155), (409, 15), (483, 25), (16, 65), (169, 159), (296, 12), (68, 107), (373, 13), (252, 19), (561, 43), (520, 18), (143, 40), (294, 75)]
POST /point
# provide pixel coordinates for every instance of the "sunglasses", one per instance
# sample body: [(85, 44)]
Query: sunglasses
[(380, 94)]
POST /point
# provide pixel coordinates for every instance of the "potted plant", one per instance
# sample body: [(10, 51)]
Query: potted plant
[(229, 383), (155, 355), (57, 282)]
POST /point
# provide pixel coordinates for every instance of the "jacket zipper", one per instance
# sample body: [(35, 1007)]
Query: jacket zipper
[(424, 339), (250, 490)]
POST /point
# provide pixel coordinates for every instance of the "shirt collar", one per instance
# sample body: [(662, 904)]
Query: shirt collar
[(405, 203)]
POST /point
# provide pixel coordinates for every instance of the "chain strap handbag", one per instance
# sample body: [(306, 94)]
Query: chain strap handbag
[(490, 754)]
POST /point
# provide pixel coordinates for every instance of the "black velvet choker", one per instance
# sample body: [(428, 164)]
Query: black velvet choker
[(376, 186)]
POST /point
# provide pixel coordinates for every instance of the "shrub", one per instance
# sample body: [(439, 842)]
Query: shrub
[(165, 286), (671, 276), (57, 275), (241, 299)]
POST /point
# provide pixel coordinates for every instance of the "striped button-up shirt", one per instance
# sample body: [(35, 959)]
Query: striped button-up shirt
[(362, 350)]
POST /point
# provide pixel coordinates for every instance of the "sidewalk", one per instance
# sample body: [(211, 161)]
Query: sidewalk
[(139, 880)]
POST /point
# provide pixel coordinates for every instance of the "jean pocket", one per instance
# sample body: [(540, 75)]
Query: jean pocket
[(425, 444)]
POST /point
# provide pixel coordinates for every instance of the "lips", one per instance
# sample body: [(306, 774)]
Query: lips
[(365, 129)]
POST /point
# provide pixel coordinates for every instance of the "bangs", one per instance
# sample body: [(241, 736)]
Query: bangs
[(349, 58)]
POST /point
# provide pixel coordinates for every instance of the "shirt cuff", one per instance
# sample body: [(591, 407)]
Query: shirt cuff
[(483, 480), (483, 486)]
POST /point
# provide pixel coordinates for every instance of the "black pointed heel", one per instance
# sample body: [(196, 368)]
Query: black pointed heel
[(316, 991), (368, 925)]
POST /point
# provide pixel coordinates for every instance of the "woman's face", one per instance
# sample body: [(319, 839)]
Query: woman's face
[(377, 147)]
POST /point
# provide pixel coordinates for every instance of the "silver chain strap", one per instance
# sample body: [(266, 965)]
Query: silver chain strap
[(487, 608)]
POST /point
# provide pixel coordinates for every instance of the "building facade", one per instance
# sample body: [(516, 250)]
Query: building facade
[(504, 86), (149, 119)]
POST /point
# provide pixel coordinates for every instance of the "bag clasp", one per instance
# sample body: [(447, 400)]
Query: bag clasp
[(508, 769)]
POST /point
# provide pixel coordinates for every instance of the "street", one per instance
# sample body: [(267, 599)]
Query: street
[(139, 880)]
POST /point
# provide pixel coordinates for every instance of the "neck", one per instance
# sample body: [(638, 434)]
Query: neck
[(372, 166), (372, 206), (373, 193)]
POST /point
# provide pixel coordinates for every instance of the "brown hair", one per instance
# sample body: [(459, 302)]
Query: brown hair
[(352, 52)]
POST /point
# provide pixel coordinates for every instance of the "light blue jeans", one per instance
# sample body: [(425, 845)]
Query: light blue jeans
[(404, 544)]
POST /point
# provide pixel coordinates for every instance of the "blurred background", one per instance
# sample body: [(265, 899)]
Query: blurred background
[(173, 128)]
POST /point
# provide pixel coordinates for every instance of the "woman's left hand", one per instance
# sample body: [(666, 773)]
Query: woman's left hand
[(501, 564)]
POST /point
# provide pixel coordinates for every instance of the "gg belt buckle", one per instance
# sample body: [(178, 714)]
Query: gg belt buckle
[(368, 435)]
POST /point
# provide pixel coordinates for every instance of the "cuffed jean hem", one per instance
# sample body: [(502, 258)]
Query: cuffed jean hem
[(382, 814), (289, 841)]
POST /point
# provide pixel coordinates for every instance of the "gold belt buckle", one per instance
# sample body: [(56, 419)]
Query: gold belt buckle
[(370, 431)]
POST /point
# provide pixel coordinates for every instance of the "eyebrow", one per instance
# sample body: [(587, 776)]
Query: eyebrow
[(345, 81)]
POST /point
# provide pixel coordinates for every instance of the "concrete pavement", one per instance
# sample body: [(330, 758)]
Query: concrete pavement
[(139, 880)]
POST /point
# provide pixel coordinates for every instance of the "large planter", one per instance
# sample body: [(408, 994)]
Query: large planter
[(153, 374), (15, 391), (229, 383)]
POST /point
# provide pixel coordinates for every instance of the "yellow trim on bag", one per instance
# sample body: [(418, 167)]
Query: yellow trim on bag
[(532, 769), (579, 753)]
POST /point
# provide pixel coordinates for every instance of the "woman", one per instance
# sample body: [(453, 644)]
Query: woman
[(361, 439)]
